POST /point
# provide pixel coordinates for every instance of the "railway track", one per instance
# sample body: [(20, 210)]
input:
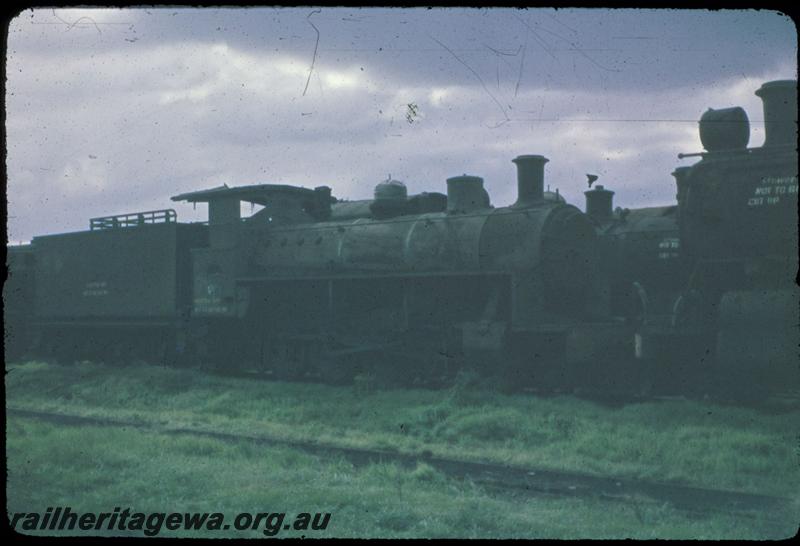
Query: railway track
[(507, 479)]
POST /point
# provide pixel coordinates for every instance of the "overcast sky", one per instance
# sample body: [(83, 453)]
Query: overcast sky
[(113, 111)]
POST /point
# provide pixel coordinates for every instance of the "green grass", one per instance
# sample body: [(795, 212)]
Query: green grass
[(98, 468), (687, 442)]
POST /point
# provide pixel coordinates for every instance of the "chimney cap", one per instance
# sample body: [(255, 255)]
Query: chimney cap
[(598, 189), (529, 157), (777, 84)]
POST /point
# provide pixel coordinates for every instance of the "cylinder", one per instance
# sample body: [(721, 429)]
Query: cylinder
[(599, 203), (780, 112), (724, 129), (530, 179), (466, 193)]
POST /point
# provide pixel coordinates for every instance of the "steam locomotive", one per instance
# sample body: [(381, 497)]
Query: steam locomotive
[(685, 298)]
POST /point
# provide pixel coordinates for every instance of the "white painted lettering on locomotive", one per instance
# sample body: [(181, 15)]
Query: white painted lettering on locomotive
[(95, 288), (209, 306), (668, 248), (771, 189)]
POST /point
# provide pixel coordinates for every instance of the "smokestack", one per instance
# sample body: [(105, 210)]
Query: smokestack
[(780, 112), (530, 179), (599, 203)]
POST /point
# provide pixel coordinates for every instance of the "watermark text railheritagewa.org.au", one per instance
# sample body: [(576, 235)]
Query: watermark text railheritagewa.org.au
[(151, 524)]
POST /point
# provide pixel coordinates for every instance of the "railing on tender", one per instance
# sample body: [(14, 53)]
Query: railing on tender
[(133, 219)]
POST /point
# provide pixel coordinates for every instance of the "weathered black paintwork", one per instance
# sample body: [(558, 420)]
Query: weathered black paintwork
[(18, 293), (420, 286)]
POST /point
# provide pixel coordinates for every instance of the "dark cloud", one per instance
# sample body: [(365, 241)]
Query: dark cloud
[(115, 110)]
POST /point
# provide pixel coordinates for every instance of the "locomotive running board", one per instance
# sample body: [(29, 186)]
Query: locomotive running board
[(369, 275)]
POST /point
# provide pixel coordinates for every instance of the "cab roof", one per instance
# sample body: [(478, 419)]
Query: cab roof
[(261, 194)]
